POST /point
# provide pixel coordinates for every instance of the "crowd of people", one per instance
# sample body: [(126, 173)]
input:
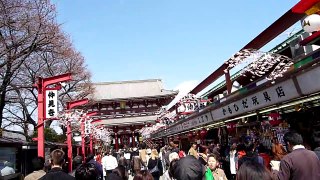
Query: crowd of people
[(243, 161)]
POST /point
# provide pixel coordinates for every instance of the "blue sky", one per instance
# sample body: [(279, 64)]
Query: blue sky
[(178, 41)]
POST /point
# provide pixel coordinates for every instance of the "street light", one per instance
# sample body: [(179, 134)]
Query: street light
[(41, 86)]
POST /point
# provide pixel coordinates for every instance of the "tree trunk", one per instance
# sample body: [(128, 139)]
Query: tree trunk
[(3, 90)]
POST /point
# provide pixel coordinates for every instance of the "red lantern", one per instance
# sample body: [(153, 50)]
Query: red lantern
[(178, 138), (190, 135)]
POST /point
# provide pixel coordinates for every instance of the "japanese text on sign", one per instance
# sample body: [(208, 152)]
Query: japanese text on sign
[(51, 103), (272, 95)]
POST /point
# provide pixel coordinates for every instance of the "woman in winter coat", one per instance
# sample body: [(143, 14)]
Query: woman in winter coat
[(213, 171), (155, 165)]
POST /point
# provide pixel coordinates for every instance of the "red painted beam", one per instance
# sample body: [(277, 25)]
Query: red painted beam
[(310, 38), (304, 5), (92, 113), (279, 26), (73, 104), (56, 79)]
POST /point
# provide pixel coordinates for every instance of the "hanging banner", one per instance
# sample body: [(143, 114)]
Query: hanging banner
[(51, 104)]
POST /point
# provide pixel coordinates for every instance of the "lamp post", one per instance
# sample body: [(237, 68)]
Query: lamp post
[(71, 105), (42, 87)]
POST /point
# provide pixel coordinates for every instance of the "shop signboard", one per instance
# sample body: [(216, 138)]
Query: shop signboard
[(191, 123), (201, 120), (309, 82), (272, 95), (51, 103)]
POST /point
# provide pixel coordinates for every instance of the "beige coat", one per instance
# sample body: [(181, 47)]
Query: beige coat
[(35, 175)]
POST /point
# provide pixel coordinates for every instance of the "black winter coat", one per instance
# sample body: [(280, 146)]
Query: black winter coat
[(57, 174)]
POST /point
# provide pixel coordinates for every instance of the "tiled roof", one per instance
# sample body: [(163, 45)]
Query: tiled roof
[(130, 90), (11, 140)]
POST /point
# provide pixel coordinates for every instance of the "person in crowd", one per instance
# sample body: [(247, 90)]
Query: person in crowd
[(213, 170), (171, 170), (189, 168), (241, 150), (233, 158), (203, 154), (76, 163), (90, 159), (119, 173), (155, 165), (98, 157), (172, 157), (217, 149), (251, 170), (143, 175), (250, 156), (109, 163), (123, 161), (266, 158), (8, 169), (300, 163), (38, 169), (136, 162), (56, 172), (278, 150), (127, 155), (143, 153), (148, 156), (181, 154), (174, 146), (316, 139), (87, 171), (193, 150), (166, 156)]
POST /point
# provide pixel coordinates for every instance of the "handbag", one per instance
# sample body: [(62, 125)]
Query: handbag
[(155, 168)]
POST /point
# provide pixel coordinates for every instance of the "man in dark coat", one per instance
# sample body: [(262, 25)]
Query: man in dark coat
[(98, 166), (300, 163), (56, 172), (189, 168)]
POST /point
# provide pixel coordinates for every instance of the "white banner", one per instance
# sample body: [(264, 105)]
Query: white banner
[(51, 103)]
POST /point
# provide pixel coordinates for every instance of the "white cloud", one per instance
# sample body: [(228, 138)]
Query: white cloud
[(184, 88)]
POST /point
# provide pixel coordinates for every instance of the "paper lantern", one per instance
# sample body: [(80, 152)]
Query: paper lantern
[(190, 135), (311, 23)]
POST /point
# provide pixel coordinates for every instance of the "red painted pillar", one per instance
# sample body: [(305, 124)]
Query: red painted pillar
[(228, 81), (82, 141), (116, 141), (69, 142), (133, 140), (121, 138), (78, 151), (41, 117), (91, 144)]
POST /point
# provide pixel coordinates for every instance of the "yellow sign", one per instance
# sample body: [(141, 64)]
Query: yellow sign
[(314, 9), (122, 105)]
